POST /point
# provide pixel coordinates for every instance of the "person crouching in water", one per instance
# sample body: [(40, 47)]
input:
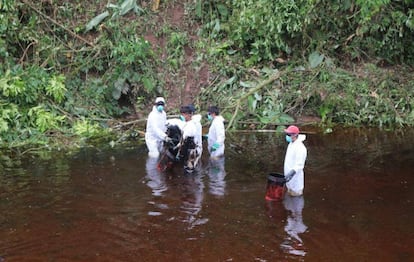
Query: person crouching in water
[(216, 132), (156, 126), (295, 158)]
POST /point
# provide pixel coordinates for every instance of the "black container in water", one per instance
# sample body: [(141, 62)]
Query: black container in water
[(275, 186)]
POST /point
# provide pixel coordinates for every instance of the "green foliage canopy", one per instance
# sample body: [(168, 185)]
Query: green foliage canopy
[(264, 29), (60, 75), (313, 41), (51, 78)]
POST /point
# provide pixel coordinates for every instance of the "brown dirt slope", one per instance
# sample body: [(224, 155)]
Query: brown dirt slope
[(182, 86)]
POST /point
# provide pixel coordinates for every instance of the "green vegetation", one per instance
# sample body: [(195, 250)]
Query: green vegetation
[(348, 62), (70, 69), (54, 82)]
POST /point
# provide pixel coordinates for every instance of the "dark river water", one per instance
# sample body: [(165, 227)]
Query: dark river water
[(114, 205)]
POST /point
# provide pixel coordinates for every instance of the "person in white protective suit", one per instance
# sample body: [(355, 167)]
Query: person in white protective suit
[(189, 130), (216, 133), (198, 139), (156, 126), (295, 158)]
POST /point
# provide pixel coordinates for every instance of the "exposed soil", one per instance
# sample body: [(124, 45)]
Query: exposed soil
[(182, 87)]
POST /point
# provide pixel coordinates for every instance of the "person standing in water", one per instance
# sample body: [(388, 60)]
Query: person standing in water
[(188, 147), (156, 126), (295, 158), (216, 132)]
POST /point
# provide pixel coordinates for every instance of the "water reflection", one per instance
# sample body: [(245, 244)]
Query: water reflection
[(293, 243), (192, 200), (46, 209), (155, 179), (216, 174)]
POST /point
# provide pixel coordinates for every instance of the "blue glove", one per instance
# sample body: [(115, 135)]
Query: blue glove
[(215, 146)]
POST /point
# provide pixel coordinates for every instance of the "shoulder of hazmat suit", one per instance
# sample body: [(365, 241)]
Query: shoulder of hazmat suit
[(216, 135), (295, 158), (189, 129), (155, 131)]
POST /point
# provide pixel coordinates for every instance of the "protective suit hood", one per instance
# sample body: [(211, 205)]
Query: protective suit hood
[(219, 118), (301, 137)]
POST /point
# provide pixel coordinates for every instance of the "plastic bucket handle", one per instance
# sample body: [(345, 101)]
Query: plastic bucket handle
[(276, 178)]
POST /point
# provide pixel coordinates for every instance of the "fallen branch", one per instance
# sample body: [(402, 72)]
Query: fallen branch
[(270, 131), (132, 122), (25, 52), (249, 93), (234, 115), (298, 123), (58, 24)]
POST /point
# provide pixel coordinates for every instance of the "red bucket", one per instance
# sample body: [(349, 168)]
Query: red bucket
[(275, 188)]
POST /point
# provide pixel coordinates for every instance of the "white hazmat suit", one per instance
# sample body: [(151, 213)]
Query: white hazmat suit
[(189, 130), (155, 131), (295, 158), (199, 133), (216, 134)]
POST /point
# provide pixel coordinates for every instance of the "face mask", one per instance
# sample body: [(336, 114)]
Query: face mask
[(209, 117), (160, 108), (182, 118), (288, 139)]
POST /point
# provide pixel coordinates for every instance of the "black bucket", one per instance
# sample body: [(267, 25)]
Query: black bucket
[(275, 186)]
